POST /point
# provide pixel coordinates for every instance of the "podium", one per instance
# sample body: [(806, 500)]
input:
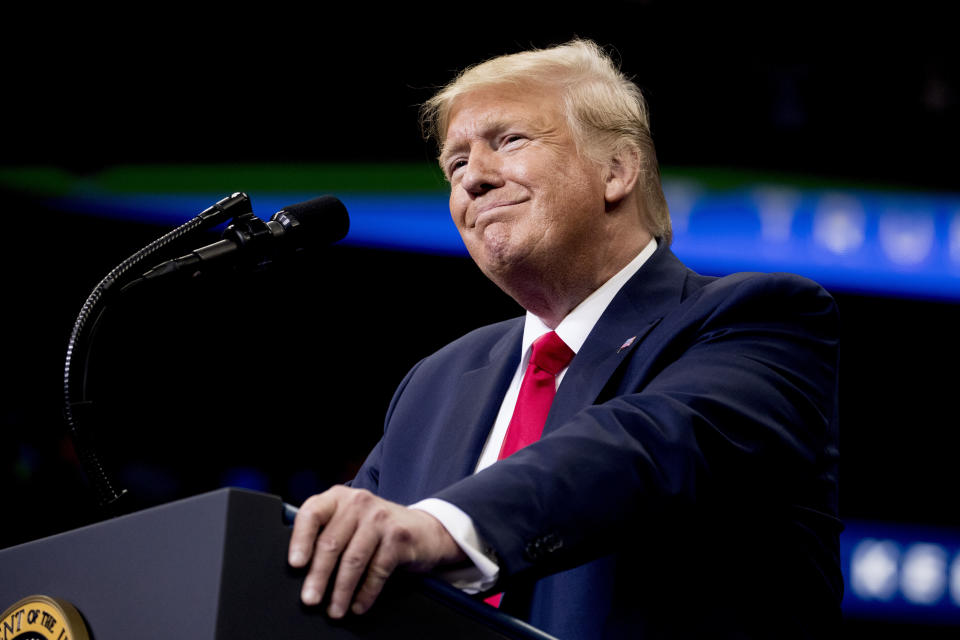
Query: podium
[(214, 567)]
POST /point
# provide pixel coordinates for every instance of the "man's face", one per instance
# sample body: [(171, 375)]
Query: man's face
[(525, 202)]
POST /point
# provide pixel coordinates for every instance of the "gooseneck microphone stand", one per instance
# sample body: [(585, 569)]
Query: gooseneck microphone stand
[(78, 408)]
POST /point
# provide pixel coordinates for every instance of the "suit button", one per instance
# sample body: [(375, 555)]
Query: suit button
[(542, 547)]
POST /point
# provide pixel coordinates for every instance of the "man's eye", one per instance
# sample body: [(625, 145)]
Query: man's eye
[(513, 138), (452, 166)]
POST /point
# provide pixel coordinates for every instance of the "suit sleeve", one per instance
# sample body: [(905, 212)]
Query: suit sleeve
[(731, 412), (368, 477)]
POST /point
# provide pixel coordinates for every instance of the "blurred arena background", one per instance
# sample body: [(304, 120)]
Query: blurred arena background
[(803, 138)]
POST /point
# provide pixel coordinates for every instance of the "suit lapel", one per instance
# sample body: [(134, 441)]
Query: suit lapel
[(639, 306), (477, 399)]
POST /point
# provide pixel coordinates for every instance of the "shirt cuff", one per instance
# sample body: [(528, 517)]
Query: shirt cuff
[(484, 572)]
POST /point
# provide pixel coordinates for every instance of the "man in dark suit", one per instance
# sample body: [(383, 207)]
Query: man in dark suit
[(685, 480)]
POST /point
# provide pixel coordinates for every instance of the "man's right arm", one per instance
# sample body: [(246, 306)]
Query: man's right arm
[(356, 540)]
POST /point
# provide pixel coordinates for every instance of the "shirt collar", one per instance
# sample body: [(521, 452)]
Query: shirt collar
[(578, 324)]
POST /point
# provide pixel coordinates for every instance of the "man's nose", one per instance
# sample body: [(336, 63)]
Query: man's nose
[(483, 171)]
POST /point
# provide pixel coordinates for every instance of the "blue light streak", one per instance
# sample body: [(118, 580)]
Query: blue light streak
[(858, 240), (901, 572)]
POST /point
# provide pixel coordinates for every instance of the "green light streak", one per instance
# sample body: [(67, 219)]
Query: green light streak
[(332, 178)]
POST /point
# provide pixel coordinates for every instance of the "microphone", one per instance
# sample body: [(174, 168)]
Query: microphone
[(250, 240)]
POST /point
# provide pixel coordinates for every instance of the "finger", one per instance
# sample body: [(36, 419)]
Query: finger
[(381, 567), (401, 543), (353, 565), (329, 545), (314, 513)]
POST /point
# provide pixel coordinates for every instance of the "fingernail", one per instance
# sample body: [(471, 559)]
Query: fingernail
[(335, 611), (310, 596), (297, 558)]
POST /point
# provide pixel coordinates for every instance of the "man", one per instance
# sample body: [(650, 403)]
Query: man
[(685, 480)]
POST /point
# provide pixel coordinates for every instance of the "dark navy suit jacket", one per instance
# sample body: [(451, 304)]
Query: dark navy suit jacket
[(685, 485)]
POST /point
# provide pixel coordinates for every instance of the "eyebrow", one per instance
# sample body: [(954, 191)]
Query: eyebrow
[(448, 151), (483, 127)]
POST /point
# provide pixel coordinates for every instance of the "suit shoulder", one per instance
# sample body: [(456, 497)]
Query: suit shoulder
[(743, 300), (753, 286)]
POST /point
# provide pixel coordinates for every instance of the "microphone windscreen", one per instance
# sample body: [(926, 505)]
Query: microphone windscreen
[(318, 221)]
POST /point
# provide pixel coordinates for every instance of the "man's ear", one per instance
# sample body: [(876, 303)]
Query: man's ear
[(621, 175)]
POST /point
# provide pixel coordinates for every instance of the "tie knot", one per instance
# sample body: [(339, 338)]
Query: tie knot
[(550, 353)]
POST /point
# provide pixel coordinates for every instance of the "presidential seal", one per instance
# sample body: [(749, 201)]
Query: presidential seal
[(42, 618)]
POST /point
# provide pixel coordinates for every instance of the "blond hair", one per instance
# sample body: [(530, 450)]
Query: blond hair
[(606, 112)]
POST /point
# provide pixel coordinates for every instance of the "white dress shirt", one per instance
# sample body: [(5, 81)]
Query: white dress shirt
[(573, 330)]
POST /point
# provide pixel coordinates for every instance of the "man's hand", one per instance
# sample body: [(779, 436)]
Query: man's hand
[(370, 537)]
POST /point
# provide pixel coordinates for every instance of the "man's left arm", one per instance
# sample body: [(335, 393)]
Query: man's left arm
[(730, 399)]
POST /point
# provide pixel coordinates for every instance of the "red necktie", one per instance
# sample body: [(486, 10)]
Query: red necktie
[(550, 356)]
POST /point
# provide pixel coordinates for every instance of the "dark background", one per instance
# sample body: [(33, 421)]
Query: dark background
[(281, 378)]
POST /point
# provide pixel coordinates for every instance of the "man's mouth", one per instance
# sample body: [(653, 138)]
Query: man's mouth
[(491, 209)]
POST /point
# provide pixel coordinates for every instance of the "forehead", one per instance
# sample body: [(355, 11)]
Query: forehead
[(489, 109)]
